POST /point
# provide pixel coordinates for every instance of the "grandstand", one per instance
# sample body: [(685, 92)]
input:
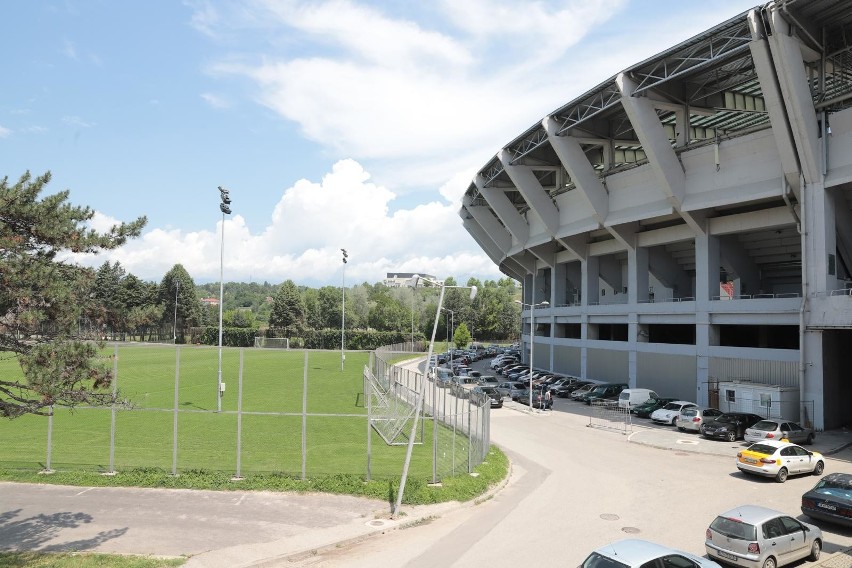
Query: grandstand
[(689, 220)]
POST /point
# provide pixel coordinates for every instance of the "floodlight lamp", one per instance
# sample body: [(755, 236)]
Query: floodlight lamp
[(416, 280), (472, 292), (223, 207)]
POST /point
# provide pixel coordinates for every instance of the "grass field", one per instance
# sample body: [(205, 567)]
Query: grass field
[(272, 402)]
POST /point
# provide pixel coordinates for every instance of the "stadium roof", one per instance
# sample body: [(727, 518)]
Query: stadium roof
[(711, 75)]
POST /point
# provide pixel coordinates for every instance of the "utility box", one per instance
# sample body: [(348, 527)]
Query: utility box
[(769, 401)]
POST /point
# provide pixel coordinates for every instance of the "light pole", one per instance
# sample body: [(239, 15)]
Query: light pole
[(532, 308), (225, 208), (343, 309), (174, 329), (413, 297), (418, 405), (449, 335)]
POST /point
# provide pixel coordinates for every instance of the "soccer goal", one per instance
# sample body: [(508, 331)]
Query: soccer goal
[(272, 342)]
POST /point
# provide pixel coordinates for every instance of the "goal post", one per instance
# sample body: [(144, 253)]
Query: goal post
[(272, 342)]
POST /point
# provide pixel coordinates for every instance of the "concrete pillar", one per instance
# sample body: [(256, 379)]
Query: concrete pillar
[(637, 275), (707, 264), (559, 286), (590, 270)]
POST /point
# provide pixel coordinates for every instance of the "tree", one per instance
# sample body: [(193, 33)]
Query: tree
[(42, 299), (288, 309), (177, 286), (461, 336)]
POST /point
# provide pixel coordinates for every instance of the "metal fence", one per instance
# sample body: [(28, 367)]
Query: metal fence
[(456, 424), (283, 411), (608, 415)]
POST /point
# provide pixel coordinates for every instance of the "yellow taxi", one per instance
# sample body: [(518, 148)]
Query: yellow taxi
[(779, 459)]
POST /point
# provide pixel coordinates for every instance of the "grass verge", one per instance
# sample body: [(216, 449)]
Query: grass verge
[(74, 560)]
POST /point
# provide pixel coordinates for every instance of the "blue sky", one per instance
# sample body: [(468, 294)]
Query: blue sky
[(333, 123)]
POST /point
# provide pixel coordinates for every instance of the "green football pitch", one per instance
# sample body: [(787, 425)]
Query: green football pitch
[(275, 404)]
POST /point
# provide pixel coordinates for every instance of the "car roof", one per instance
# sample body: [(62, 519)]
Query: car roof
[(752, 514), (633, 552), (774, 443)]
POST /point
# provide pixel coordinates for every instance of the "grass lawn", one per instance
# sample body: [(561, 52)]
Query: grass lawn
[(273, 395)]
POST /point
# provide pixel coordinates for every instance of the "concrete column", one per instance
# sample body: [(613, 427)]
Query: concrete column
[(820, 238), (559, 286), (707, 264), (637, 275), (590, 270)]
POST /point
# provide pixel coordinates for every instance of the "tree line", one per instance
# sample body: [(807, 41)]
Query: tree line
[(128, 308)]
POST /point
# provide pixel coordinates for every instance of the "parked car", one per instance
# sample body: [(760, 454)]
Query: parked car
[(565, 389), (505, 387), (779, 459), (755, 536), (493, 395), (730, 426), (645, 410), (634, 553), (603, 393), (518, 390), (693, 417), (540, 399), (777, 429), (830, 499), (582, 391), (669, 413), (488, 381), (462, 386)]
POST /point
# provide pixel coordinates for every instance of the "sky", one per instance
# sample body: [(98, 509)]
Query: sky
[(332, 123)]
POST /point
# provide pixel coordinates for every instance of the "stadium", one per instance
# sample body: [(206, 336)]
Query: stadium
[(686, 225)]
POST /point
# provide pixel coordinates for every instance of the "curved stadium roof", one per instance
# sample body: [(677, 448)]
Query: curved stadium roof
[(711, 77)]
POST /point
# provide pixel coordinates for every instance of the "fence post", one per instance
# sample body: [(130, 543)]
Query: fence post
[(239, 419), (469, 437), (47, 465), (305, 419), (368, 391), (175, 425), (112, 412)]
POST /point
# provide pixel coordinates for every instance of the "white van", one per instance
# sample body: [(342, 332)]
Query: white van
[(634, 397)]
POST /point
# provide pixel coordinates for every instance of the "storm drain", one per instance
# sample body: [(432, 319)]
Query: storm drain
[(630, 530), (609, 517)]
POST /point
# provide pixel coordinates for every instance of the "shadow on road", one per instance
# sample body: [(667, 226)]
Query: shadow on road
[(40, 532)]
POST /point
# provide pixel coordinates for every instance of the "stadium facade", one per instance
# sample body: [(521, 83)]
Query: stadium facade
[(688, 221)]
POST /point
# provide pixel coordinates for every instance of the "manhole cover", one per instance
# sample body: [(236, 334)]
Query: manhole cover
[(630, 530), (376, 523), (688, 442), (681, 454), (609, 517)]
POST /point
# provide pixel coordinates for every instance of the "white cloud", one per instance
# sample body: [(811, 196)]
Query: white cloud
[(308, 226), (76, 121), (69, 50), (215, 101), (5, 132)]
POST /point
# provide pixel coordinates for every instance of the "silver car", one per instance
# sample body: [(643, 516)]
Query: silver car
[(758, 537), (691, 418), (778, 428), (633, 553)]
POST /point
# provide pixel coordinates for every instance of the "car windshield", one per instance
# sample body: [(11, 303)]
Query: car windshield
[(689, 412), (672, 406), (596, 560), (599, 389), (727, 418), (734, 528), (765, 425)]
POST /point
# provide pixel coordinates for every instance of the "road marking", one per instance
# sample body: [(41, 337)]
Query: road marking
[(688, 442), (83, 491)]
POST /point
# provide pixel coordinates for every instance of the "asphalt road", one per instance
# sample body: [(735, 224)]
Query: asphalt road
[(572, 488)]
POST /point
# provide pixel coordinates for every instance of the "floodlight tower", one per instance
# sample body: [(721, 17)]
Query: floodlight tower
[(224, 207), (343, 309)]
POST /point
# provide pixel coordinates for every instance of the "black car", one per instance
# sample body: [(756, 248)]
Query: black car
[(493, 395), (645, 409), (603, 392), (565, 389), (830, 499), (540, 399), (730, 426)]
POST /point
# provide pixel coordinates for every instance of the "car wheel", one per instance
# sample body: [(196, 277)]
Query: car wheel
[(781, 477), (769, 563), (674, 421), (819, 468), (731, 436), (816, 548), (810, 439)]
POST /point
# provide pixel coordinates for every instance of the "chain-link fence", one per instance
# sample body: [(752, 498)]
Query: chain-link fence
[(455, 423), (282, 411)]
